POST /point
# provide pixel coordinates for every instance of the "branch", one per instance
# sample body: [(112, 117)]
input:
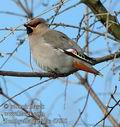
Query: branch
[(106, 58), (55, 75), (108, 20), (81, 28), (28, 113), (92, 93), (107, 106), (33, 74)]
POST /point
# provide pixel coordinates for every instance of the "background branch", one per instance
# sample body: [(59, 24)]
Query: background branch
[(86, 84), (108, 20)]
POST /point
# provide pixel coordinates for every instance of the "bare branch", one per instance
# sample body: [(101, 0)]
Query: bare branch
[(85, 83), (28, 113), (104, 16), (83, 28), (33, 74), (106, 58), (43, 74)]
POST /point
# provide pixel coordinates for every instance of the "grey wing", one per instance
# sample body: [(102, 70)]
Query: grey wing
[(60, 40)]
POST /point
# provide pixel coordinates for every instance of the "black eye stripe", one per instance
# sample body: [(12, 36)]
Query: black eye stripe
[(29, 30)]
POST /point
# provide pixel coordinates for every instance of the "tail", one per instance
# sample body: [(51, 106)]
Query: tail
[(86, 67)]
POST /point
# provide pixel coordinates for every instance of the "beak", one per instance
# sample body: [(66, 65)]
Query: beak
[(28, 28), (25, 25)]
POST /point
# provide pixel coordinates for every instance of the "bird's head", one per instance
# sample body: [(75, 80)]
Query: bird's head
[(35, 25)]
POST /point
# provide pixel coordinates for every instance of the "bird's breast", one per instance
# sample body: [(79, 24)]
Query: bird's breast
[(50, 58)]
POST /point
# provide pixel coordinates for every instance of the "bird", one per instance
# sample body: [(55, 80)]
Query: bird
[(54, 51)]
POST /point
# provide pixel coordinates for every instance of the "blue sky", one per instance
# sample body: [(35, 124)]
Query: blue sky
[(51, 94)]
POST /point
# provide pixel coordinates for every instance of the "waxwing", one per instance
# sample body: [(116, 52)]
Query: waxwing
[(55, 52)]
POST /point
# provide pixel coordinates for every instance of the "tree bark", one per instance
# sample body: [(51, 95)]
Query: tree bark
[(108, 20)]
